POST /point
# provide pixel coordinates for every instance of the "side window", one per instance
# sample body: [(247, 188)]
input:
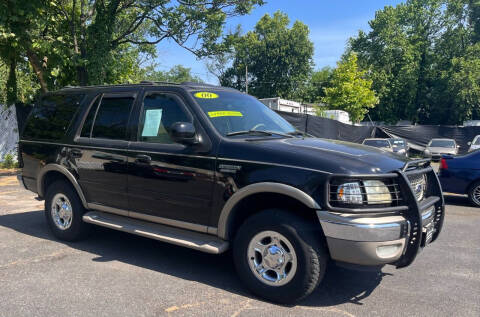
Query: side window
[(159, 113), (110, 121), (52, 117), (87, 125)]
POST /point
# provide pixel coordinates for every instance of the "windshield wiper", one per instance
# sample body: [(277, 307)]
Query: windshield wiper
[(261, 132)]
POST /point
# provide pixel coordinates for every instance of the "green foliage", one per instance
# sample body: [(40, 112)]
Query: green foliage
[(279, 58), (417, 55), (315, 88), (350, 90), (80, 42), (8, 162), (177, 74)]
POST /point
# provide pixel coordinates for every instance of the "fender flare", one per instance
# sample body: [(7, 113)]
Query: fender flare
[(265, 187), (63, 170)]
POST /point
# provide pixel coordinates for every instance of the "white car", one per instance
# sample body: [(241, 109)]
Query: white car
[(437, 147), (475, 144)]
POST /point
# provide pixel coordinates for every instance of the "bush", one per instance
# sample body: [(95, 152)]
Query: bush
[(8, 162)]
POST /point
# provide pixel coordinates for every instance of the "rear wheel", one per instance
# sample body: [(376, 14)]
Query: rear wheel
[(64, 212), (474, 194), (279, 256)]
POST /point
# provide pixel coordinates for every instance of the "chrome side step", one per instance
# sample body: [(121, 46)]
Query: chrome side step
[(193, 240)]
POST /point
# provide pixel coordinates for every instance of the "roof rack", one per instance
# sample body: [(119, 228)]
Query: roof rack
[(153, 82)]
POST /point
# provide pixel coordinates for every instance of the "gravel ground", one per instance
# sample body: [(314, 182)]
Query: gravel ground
[(116, 274)]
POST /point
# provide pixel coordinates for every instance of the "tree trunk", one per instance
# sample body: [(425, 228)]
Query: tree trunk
[(81, 69), (38, 69), (12, 81)]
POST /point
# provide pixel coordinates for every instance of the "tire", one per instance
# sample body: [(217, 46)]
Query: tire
[(73, 229), (303, 242), (471, 194)]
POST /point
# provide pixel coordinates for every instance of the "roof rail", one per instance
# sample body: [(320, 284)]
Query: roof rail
[(153, 82), (192, 83)]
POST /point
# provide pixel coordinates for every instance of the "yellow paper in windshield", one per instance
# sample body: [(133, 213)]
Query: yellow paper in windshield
[(206, 95), (215, 114)]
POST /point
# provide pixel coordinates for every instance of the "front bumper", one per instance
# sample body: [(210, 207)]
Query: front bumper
[(368, 240), (385, 237)]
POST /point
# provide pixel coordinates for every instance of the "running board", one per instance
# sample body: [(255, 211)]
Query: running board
[(185, 238)]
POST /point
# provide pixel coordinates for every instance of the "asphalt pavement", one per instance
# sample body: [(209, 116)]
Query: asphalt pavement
[(116, 274)]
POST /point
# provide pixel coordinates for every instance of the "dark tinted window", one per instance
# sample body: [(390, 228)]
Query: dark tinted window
[(111, 119), (87, 125), (159, 113), (51, 118)]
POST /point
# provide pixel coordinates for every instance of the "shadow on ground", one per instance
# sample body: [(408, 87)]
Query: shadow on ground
[(339, 286)]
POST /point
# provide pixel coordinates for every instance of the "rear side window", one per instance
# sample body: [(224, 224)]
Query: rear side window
[(109, 118), (52, 117)]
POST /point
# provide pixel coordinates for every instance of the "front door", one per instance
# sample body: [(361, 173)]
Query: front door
[(168, 182), (100, 151)]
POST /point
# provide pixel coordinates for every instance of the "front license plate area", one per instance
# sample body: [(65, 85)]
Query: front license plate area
[(427, 233)]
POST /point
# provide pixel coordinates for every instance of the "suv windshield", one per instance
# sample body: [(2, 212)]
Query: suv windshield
[(476, 141), (442, 143), (377, 143), (232, 112)]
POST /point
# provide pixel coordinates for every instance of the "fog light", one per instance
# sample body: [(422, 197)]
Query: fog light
[(387, 251)]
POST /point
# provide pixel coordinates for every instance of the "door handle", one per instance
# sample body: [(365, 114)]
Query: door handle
[(143, 158), (75, 153)]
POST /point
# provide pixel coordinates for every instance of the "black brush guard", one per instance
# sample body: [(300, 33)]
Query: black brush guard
[(411, 209)]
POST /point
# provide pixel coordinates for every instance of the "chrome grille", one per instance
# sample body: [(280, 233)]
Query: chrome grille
[(419, 185)]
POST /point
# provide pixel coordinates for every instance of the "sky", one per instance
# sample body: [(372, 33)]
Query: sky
[(331, 24)]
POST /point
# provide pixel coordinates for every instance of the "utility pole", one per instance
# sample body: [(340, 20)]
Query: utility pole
[(246, 78)]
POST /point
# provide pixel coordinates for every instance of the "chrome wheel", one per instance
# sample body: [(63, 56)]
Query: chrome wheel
[(476, 195), (271, 258), (61, 211)]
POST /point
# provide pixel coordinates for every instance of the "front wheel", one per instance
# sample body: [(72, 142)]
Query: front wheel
[(474, 194), (279, 256)]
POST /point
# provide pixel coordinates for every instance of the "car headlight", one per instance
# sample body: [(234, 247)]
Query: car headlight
[(350, 193), (376, 192)]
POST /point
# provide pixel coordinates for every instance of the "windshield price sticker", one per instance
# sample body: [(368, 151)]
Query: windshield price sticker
[(214, 114), (206, 95)]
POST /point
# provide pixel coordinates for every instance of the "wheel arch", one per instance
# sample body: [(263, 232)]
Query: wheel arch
[(54, 171), (280, 193)]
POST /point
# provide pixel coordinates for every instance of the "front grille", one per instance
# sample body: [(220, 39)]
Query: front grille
[(419, 185)]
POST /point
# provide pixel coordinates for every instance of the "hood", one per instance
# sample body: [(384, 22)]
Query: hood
[(330, 156), (442, 150)]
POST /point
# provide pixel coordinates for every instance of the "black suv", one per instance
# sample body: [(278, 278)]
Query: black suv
[(211, 168)]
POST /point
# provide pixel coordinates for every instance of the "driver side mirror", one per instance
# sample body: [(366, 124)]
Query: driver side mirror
[(183, 133), (469, 143)]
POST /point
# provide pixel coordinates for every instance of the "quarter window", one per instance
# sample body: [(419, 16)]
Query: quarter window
[(159, 113), (52, 117)]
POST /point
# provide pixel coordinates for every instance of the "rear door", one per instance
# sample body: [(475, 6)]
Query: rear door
[(168, 182), (99, 151)]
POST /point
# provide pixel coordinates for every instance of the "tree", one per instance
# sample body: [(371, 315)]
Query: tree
[(315, 88), (350, 90), (177, 74), (279, 59), (101, 41), (410, 52)]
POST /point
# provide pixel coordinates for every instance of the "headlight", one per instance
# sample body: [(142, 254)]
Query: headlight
[(350, 193), (376, 192)]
